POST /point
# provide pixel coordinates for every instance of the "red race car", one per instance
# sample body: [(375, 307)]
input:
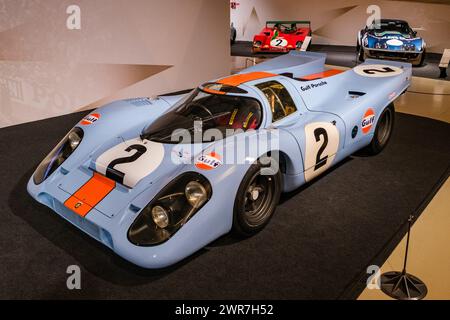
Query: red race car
[(281, 36)]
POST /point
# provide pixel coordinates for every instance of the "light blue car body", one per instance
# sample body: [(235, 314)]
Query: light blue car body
[(332, 102)]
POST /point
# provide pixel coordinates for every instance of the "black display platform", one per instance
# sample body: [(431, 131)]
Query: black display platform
[(317, 246), (344, 56)]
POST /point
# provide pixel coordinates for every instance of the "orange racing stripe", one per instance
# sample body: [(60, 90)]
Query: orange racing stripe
[(90, 194), (239, 79), (320, 75)]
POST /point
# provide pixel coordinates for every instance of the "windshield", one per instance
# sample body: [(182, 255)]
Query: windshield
[(285, 28), (391, 26), (211, 111)]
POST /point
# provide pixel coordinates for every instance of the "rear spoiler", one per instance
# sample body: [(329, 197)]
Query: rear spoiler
[(297, 22), (299, 63)]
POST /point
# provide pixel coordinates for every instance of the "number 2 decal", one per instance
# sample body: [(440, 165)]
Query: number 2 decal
[(320, 162), (322, 142), (383, 70), (130, 161), (377, 70), (118, 175), (279, 42)]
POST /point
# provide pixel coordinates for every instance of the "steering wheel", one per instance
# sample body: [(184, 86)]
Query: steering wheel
[(194, 104)]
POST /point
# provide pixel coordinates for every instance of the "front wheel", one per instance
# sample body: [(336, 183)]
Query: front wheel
[(361, 55), (421, 60), (256, 200), (383, 131)]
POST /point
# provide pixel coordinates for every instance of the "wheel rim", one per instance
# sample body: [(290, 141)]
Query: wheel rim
[(384, 127), (258, 198)]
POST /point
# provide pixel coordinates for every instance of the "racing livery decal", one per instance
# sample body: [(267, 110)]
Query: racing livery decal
[(377, 70), (90, 194), (90, 119), (209, 161), (368, 121), (131, 161), (322, 142)]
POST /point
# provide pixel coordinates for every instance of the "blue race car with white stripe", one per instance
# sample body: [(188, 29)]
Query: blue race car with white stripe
[(157, 179), (391, 39)]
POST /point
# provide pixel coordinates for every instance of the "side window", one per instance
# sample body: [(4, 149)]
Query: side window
[(280, 100)]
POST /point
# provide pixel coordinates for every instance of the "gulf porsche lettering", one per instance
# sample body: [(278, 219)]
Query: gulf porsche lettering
[(90, 119), (155, 200), (209, 161), (368, 121)]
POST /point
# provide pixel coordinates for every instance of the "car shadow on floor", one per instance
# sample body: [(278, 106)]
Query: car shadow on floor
[(96, 258)]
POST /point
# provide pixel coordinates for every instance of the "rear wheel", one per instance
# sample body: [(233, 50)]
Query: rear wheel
[(256, 200), (383, 131)]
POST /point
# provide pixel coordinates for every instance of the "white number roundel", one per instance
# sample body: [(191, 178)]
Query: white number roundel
[(131, 161), (279, 42), (322, 143), (377, 70)]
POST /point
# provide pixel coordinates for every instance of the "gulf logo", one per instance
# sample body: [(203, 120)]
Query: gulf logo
[(367, 121), (208, 161), (90, 119)]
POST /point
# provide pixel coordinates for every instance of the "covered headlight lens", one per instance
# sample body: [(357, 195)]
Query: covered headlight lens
[(74, 139), (170, 209), (160, 216), (196, 194), (58, 155)]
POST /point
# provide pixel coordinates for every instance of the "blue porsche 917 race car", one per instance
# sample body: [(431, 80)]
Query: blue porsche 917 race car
[(156, 179), (391, 39)]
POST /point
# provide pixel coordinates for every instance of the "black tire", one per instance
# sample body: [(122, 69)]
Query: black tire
[(256, 200), (422, 59), (361, 56), (383, 131)]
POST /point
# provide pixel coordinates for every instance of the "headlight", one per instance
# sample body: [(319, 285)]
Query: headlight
[(74, 139), (58, 155), (257, 44), (160, 216), (299, 44), (366, 42), (171, 208), (196, 194)]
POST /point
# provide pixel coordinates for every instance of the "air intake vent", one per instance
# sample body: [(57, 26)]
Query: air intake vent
[(139, 102), (355, 94)]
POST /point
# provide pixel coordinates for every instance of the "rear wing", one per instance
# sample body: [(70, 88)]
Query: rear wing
[(290, 22), (297, 63)]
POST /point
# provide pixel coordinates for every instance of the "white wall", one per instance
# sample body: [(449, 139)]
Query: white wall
[(338, 21), (125, 48)]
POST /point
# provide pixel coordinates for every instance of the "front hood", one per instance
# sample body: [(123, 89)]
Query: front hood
[(139, 162), (131, 161), (394, 41)]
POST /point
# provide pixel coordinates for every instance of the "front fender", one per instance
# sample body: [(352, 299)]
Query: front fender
[(123, 119)]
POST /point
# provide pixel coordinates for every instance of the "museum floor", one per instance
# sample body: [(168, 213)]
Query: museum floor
[(429, 257)]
